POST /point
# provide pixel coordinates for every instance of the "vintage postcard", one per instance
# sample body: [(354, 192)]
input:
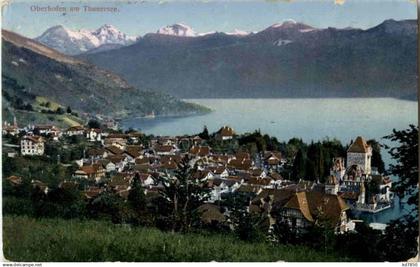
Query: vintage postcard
[(214, 130)]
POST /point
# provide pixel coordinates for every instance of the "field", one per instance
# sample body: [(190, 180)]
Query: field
[(29, 239)]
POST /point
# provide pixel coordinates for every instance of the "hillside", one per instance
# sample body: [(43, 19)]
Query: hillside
[(32, 70), (45, 240), (285, 60)]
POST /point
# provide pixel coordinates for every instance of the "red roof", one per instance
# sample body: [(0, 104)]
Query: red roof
[(359, 146)]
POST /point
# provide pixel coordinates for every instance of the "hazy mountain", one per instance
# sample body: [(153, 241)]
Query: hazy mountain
[(72, 42), (288, 59), (31, 69)]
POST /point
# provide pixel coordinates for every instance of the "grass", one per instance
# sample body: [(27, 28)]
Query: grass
[(26, 117), (40, 100), (44, 240), (70, 120)]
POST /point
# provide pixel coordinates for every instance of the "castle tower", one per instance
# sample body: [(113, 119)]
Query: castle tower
[(15, 122), (338, 170), (360, 154)]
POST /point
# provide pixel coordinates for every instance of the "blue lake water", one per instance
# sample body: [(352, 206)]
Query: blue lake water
[(309, 119)]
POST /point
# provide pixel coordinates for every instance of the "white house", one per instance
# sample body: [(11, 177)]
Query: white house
[(32, 145)]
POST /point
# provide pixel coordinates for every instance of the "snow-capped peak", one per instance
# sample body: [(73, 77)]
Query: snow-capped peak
[(238, 33), (72, 42), (286, 23), (108, 34), (177, 29)]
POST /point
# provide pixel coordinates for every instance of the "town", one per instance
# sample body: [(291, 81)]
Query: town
[(110, 160)]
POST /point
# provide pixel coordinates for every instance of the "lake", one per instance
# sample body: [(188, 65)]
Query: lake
[(309, 119)]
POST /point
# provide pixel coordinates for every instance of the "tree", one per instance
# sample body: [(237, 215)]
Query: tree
[(94, 124), (204, 134), (401, 236), (407, 158), (376, 160), (315, 163), (184, 194), (59, 110), (298, 168), (137, 199)]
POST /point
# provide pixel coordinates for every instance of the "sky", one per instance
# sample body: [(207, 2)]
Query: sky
[(137, 17)]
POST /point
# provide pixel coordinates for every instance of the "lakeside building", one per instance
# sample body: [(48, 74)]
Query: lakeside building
[(225, 133), (351, 183)]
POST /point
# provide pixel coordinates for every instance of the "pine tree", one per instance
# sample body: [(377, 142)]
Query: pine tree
[(298, 169), (136, 195)]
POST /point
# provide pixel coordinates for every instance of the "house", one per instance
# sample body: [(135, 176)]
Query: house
[(94, 135), (384, 184), (132, 153), (119, 162), (200, 151), (223, 186), (91, 172), (15, 180), (219, 172), (308, 208), (165, 149), (97, 153), (135, 137), (120, 181), (203, 175), (258, 173), (360, 154), (32, 145), (115, 139), (9, 129), (272, 160), (47, 130), (146, 179), (240, 164), (108, 165), (114, 150), (331, 186), (225, 133), (75, 131)]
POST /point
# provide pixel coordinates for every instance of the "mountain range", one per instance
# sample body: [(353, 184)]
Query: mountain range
[(106, 37), (31, 70), (288, 59), (71, 42)]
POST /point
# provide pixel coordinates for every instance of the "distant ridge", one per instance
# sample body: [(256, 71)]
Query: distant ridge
[(288, 59), (30, 70)]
